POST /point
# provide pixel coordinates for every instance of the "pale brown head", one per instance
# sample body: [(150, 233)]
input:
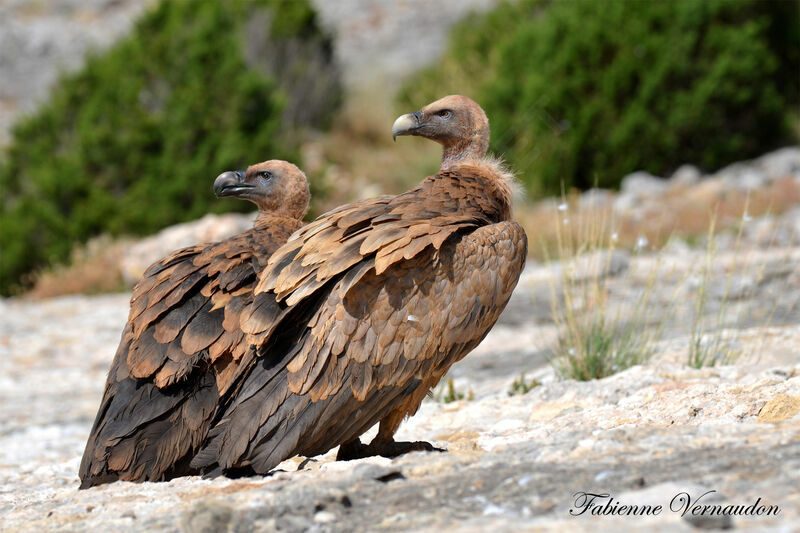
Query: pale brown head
[(456, 122), (274, 186)]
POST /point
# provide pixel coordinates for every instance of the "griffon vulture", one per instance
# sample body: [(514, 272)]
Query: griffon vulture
[(364, 310), (182, 341)]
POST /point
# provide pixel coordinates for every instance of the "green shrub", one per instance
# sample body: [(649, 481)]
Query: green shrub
[(133, 141), (585, 92)]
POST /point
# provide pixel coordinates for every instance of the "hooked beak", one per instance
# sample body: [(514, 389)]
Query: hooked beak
[(406, 124), (231, 183)]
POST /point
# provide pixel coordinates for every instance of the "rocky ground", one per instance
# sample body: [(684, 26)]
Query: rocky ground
[(644, 436)]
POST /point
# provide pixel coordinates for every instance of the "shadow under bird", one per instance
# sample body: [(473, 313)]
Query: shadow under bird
[(182, 344), (362, 311)]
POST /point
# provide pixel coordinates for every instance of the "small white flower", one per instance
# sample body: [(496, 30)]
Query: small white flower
[(615, 236), (642, 242), (572, 351), (562, 207)]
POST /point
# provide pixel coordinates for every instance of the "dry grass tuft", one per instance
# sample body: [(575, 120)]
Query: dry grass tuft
[(599, 336), (710, 343), (596, 339)]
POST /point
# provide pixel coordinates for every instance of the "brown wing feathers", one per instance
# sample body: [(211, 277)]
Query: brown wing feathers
[(392, 229)]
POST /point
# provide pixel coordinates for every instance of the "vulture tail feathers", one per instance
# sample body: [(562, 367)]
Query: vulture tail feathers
[(144, 433)]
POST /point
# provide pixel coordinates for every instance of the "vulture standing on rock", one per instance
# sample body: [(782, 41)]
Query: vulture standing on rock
[(182, 343), (362, 311)]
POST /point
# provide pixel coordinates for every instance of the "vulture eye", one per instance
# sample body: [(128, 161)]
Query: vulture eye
[(445, 113), (266, 174)]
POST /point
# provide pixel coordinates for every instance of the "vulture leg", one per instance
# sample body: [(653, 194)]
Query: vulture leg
[(384, 444), (392, 448), (395, 448), (383, 447)]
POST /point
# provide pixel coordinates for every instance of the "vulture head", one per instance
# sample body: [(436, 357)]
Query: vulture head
[(456, 122), (275, 186)]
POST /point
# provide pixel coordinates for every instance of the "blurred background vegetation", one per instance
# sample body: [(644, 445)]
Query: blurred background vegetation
[(583, 93), (131, 143), (578, 93)]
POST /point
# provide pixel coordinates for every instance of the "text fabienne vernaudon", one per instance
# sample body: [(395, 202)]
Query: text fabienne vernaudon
[(683, 503)]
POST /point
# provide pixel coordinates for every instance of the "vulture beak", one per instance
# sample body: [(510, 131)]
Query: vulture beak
[(231, 183), (406, 124)]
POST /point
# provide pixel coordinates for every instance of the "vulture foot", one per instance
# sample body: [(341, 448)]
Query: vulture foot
[(352, 450), (394, 448), (356, 450)]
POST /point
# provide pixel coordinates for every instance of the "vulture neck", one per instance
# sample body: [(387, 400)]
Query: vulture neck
[(272, 218), (473, 147)]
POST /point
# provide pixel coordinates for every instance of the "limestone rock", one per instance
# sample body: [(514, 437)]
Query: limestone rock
[(686, 175), (636, 187)]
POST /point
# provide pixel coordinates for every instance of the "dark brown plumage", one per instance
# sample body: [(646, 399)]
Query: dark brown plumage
[(182, 343), (363, 311)]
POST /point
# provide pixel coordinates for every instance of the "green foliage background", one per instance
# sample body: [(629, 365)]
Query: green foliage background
[(133, 141), (582, 92)]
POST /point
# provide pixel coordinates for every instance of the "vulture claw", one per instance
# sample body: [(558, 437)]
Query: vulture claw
[(356, 450)]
